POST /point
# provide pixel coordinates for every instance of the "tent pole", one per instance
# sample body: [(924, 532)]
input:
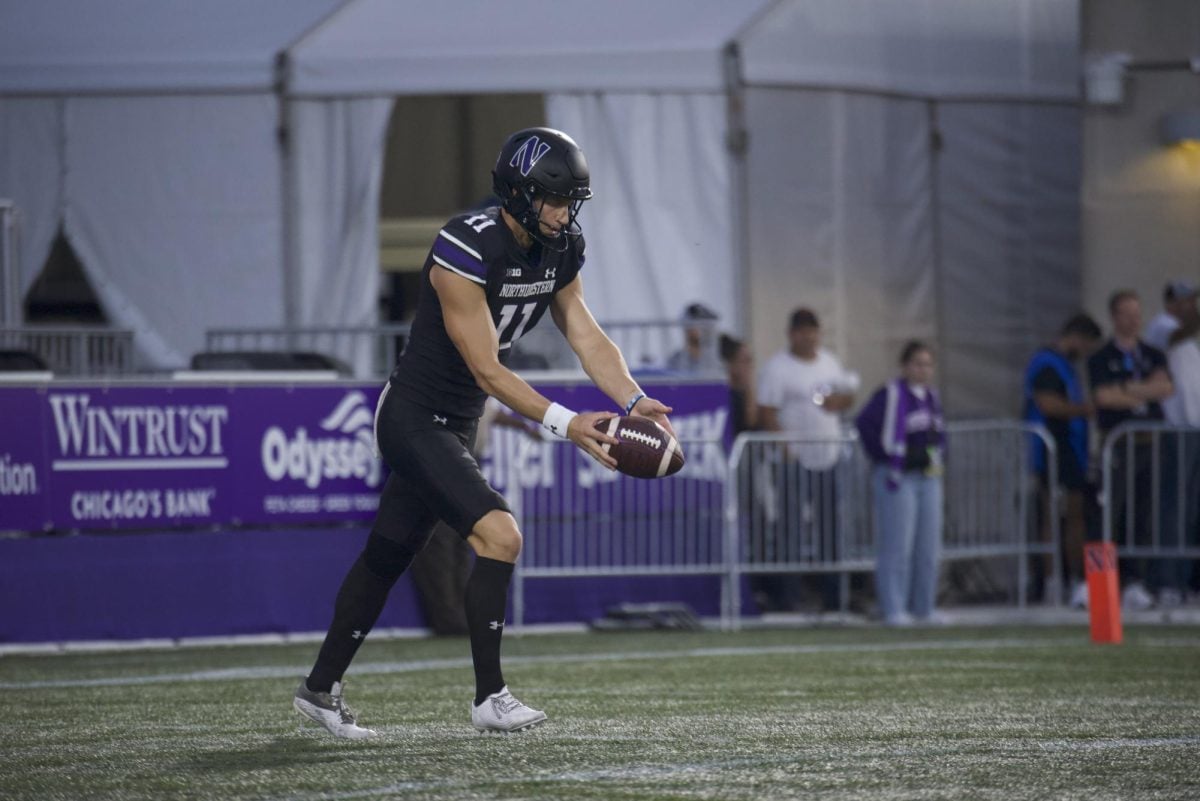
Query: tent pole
[(737, 141), (288, 223), (939, 265)]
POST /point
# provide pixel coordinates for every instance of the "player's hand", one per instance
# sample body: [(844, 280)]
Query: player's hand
[(583, 432), (649, 407)]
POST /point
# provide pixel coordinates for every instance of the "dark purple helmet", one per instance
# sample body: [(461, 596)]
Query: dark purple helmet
[(537, 162)]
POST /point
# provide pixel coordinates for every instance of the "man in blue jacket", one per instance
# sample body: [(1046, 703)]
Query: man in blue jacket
[(1055, 398)]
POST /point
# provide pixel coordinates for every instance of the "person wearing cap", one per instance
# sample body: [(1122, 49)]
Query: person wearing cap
[(1174, 331), (699, 353), (803, 391)]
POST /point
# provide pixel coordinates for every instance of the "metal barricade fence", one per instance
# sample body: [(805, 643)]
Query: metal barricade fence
[(580, 519), (369, 351), (991, 493), (804, 505), (796, 505), (1150, 497), (74, 351)]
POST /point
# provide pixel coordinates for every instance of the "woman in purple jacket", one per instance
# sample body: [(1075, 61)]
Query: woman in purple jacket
[(902, 430)]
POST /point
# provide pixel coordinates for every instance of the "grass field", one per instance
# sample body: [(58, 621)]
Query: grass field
[(949, 713)]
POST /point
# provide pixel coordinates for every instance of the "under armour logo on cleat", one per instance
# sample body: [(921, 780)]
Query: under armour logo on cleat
[(358, 634), (438, 419), (496, 625)]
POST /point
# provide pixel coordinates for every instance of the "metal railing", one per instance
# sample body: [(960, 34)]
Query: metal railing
[(371, 351), (782, 517), (367, 351), (990, 495), (579, 519), (74, 351), (760, 510), (1150, 496)]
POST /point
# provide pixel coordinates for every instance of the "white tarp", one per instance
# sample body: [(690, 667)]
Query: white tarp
[(660, 230), (122, 47), (148, 131), (845, 207), (397, 47), (936, 48)]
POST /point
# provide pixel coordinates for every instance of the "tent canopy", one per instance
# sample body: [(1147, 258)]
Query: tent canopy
[(383, 47), (148, 129), (64, 47), (940, 48)]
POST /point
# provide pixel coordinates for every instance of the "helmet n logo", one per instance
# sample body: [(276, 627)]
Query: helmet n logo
[(528, 154)]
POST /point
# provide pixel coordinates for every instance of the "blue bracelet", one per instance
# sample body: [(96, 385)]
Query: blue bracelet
[(634, 402)]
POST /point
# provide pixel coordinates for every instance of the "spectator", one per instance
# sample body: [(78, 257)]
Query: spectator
[(1174, 332), (1129, 380), (743, 397), (1054, 397), (902, 430), (802, 391), (699, 353)]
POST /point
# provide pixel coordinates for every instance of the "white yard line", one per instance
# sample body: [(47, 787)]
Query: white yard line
[(376, 668), (658, 772)]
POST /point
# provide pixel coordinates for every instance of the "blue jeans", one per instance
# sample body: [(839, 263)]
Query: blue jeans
[(908, 522)]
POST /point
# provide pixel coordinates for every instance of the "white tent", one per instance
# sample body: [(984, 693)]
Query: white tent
[(905, 169), (148, 130), (909, 169)]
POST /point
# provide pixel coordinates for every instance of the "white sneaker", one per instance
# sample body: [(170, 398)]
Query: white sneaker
[(1136, 599), (330, 711), (502, 712), (900, 620), (1079, 595)]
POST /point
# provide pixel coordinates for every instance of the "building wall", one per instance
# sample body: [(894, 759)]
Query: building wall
[(1140, 199)]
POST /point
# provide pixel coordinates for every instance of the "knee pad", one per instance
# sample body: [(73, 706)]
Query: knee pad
[(386, 559)]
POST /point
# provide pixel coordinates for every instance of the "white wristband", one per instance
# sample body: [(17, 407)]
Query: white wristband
[(557, 419)]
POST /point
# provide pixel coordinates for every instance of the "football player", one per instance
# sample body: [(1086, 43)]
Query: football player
[(489, 277)]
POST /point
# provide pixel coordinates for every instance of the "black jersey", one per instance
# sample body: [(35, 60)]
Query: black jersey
[(519, 285)]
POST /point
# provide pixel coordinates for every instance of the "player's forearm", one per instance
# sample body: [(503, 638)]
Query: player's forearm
[(604, 364), (513, 391)]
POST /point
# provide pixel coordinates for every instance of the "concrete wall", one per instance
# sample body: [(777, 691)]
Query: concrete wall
[(1140, 199)]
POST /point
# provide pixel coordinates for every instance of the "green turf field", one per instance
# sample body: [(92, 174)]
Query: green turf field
[(949, 713)]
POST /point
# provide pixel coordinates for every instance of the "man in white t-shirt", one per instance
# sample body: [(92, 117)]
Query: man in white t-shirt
[(802, 391), (1174, 331)]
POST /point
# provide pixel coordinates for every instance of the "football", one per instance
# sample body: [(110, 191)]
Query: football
[(645, 449)]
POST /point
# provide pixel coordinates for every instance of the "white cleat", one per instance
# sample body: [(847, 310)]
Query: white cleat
[(330, 711), (501, 712)]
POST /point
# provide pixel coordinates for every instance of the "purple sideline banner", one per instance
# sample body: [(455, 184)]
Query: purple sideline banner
[(130, 457), (180, 455)]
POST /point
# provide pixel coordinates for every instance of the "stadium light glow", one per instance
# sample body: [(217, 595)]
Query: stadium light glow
[(1181, 128)]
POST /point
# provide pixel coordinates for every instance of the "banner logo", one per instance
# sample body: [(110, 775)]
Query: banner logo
[(96, 437), (348, 451), (528, 154)]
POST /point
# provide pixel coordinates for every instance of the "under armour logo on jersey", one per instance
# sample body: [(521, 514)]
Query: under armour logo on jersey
[(530, 152), (551, 272), (496, 625), (358, 634), (439, 419)]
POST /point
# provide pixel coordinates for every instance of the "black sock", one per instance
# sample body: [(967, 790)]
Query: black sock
[(487, 597), (359, 602)]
